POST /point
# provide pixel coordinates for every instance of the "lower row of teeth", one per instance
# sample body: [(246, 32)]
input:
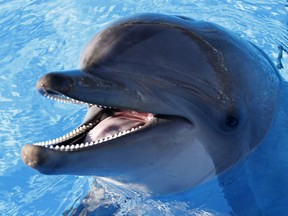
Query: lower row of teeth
[(52, 144), (49, 144)]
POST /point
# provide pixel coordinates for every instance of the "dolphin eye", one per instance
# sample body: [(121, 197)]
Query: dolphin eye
[(231, 121)]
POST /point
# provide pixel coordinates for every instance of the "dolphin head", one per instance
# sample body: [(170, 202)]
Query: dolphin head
[(171, 103)]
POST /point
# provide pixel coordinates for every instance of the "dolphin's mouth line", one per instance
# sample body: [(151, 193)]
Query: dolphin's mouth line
[(107, 124)]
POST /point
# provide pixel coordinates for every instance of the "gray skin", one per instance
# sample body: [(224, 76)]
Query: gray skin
[(214, 96)]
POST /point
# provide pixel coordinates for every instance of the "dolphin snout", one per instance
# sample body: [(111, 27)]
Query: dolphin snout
[(53, 83)]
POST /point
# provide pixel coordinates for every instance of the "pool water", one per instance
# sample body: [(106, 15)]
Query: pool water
[(38, 36)]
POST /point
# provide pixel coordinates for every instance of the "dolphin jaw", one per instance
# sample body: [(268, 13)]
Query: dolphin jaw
[(75, 140)]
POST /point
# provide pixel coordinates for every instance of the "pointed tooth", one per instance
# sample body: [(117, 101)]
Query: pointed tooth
[(86, 144), (77, 146), (81, 145), (51, 146), (62, 147), (57, 147)]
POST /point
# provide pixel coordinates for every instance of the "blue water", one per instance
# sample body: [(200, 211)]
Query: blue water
[(38, 36)]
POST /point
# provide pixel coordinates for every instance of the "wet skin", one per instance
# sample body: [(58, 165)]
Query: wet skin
[(178, 99)]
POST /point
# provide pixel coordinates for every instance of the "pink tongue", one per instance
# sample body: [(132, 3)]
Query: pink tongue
[(119, 122)]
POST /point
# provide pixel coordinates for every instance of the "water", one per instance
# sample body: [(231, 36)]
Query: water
[(41, 36)]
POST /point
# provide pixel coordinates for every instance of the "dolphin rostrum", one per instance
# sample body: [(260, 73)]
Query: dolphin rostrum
[(171, 103)]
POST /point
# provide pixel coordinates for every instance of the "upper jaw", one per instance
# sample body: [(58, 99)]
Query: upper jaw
[(102, 90)]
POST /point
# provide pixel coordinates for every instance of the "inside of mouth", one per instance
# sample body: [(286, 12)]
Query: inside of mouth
[(119, 121)]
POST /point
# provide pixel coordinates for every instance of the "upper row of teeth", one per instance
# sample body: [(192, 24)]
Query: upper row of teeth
[(49, 144), (65, 99)]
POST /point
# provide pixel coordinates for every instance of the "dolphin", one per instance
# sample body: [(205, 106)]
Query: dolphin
[(171, 102)]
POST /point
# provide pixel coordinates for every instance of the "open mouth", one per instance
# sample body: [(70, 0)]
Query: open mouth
[(105, 124)]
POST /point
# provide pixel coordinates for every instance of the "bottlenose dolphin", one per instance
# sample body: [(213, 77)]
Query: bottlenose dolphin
[(172, 102)]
